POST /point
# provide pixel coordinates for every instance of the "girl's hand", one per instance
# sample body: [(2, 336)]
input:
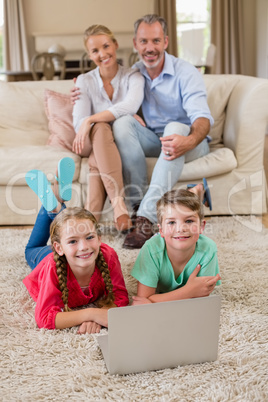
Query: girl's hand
[(139, 119), (79, 141), (201, 286), (100, 320), (90, 319), (136, 300), (89, 327)]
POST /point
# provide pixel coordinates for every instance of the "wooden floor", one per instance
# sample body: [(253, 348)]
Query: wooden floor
[(264, 217)]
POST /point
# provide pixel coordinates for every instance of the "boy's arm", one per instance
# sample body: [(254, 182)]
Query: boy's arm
[(196, 286), (143, 294)]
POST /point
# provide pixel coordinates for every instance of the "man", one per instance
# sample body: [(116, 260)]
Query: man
[(177, 121)]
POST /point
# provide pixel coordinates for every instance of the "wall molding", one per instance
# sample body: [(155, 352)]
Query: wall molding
[(73, 44)]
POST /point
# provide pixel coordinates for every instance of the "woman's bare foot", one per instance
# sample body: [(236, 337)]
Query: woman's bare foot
[(122, 220), (123, 223)]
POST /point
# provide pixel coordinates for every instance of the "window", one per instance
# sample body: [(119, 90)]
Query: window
[(193, 30)]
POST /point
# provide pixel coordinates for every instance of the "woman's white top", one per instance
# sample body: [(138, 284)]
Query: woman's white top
[(127, 97)]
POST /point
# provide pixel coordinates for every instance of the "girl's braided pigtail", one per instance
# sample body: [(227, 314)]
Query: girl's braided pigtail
[(103, 267), (61, 266)]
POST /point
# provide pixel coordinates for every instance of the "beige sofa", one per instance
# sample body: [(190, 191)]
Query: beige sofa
[(234, 168)]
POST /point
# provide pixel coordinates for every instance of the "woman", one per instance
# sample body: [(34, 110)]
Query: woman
[(106, 93)]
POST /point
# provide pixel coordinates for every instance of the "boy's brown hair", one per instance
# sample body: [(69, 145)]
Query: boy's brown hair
[(178, 197), (78, 213)]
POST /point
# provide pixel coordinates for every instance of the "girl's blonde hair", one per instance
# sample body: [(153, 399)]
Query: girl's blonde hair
[(78, 213), (179, 197), (97, 29)]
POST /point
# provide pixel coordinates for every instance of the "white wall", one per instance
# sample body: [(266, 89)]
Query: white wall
[(67, 20), (74, 16)]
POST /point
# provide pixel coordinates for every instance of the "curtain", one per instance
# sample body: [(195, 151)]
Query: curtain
[(167, 10), (16, 54), (227, 36)]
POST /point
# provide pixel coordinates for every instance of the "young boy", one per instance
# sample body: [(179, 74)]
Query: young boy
[(179, 262)]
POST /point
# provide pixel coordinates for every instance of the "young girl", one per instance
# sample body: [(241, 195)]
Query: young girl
[(106, 93), (179, 262), (76, 270)]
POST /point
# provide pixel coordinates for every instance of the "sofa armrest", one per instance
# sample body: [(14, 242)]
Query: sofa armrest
[(246, 122)]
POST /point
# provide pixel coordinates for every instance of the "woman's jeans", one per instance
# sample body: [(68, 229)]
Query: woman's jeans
[(37, 248)]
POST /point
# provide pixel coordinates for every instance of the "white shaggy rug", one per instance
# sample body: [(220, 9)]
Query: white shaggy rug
[(42, 365)]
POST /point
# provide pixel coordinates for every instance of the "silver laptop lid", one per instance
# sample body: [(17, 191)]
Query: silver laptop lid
[(161, 335)]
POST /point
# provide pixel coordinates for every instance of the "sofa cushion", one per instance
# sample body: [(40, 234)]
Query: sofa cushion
[(23, 118), (19, 160), (59, 109), (219, 89), (217, 162)]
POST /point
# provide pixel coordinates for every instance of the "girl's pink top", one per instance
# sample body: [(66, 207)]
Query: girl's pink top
[(43, 285)]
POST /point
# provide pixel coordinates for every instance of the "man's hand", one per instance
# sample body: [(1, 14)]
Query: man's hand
[(175, 145), (75, 92), (139, 119), (89, 327), (137, 300), (201, 286)]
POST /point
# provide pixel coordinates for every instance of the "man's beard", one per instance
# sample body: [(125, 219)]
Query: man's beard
[(155, 64)]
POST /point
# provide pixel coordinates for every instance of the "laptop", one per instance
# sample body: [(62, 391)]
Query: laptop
[(161, 335)]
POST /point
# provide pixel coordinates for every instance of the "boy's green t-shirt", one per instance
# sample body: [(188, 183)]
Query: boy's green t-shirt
[(153, 267)]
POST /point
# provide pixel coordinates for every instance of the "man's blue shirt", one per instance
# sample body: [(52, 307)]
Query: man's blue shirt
[(177, 94)]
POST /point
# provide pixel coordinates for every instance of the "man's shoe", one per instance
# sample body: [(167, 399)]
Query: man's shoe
[(134, 213), (142, 231)]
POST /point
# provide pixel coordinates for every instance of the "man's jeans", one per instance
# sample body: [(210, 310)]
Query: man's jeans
[(135, 143), (37, 248)]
